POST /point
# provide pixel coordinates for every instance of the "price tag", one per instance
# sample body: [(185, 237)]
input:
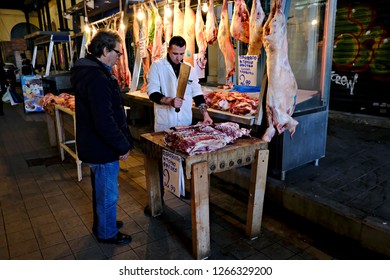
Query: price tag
[(247, 70), (173, 179)]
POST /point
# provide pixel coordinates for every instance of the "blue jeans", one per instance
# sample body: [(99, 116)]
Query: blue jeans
[(104, 179)]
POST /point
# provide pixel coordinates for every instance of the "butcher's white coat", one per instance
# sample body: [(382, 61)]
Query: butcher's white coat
[(162, 79)]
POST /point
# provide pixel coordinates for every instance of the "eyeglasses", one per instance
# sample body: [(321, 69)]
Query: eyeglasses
[(118, 52)]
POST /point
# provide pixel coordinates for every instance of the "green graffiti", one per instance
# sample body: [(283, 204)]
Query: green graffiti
[(360, 45)]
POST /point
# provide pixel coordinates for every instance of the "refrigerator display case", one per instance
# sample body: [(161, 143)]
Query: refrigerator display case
[(310, 47)]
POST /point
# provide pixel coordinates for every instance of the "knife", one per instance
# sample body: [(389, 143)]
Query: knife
[(182, 81)]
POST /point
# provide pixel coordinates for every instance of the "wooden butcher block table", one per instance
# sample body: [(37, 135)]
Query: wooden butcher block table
[(197, 169)]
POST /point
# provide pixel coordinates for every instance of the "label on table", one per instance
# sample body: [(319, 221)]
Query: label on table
[(173, 176)]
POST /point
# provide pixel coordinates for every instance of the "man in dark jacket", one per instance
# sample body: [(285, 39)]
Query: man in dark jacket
[(102, 134)]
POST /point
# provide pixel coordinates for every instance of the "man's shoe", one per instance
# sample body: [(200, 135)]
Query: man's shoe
[(119, 238)]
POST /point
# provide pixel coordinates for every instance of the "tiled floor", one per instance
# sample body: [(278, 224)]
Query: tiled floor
[(46, 212)]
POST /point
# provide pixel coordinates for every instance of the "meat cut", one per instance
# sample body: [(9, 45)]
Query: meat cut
[(256, 20), (282, 86), (234, 102), (240, 22), (225, 42), (211, 31)]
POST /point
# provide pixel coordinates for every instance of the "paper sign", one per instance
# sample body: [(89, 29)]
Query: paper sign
[(200, 72), (247, 70), (173, 179)]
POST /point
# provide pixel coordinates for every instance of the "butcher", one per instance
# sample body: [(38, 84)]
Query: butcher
[(162, 85)]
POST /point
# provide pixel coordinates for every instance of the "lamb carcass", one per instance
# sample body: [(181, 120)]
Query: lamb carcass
[(168, 25), (256, 20), (136, 28), (282, 86), (189, 33), (200, 37), (158, 33), (178, 20), (240, 22), (225, 42)]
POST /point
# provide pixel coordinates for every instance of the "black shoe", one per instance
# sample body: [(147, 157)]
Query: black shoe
[(119, 238)]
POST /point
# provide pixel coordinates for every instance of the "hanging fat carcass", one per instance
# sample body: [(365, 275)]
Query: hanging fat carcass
[(239, 27), (158, 33), (136, 27), (122, 63), (189, 33), (178, 20), (256, 20), (200, 37), (168, 24), (211, 31), (150, 20), (144, 52), (282, 86), (225, 42)]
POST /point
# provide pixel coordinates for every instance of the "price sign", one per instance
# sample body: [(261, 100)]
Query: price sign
[(247, 70)]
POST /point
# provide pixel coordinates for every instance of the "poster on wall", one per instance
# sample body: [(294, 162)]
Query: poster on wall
[(32, 89)]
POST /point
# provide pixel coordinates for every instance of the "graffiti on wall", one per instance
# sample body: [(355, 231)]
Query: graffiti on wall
[(361, 43)]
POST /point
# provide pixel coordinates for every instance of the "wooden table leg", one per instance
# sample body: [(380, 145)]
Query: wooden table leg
[(200, 210), (256, 194), (153, 185)]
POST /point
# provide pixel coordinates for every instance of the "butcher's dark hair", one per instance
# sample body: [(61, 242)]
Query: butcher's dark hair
[(104, 38), (177, 41)]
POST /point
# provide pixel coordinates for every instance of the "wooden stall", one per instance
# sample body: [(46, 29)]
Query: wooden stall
[(197, 169)]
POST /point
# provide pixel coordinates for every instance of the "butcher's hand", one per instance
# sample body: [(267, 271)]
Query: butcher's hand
[(206, 119), (125, 156), (176, 102)]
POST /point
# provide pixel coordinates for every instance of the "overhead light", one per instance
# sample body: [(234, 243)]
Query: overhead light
[(205, 7), (167, 10), (140, 14)]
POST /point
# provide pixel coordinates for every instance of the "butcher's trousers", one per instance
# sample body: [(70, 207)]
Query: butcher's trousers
[(105, 193)]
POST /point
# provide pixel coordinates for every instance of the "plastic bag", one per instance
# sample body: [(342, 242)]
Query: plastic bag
[(6, 97)]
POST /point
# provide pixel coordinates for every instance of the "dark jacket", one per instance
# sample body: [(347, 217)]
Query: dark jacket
[(102, 133)]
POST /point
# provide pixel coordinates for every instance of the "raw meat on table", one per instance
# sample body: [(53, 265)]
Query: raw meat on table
[(199, 139)]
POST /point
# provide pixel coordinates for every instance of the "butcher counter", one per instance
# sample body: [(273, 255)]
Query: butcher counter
[(143, 99), (197, 169)]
